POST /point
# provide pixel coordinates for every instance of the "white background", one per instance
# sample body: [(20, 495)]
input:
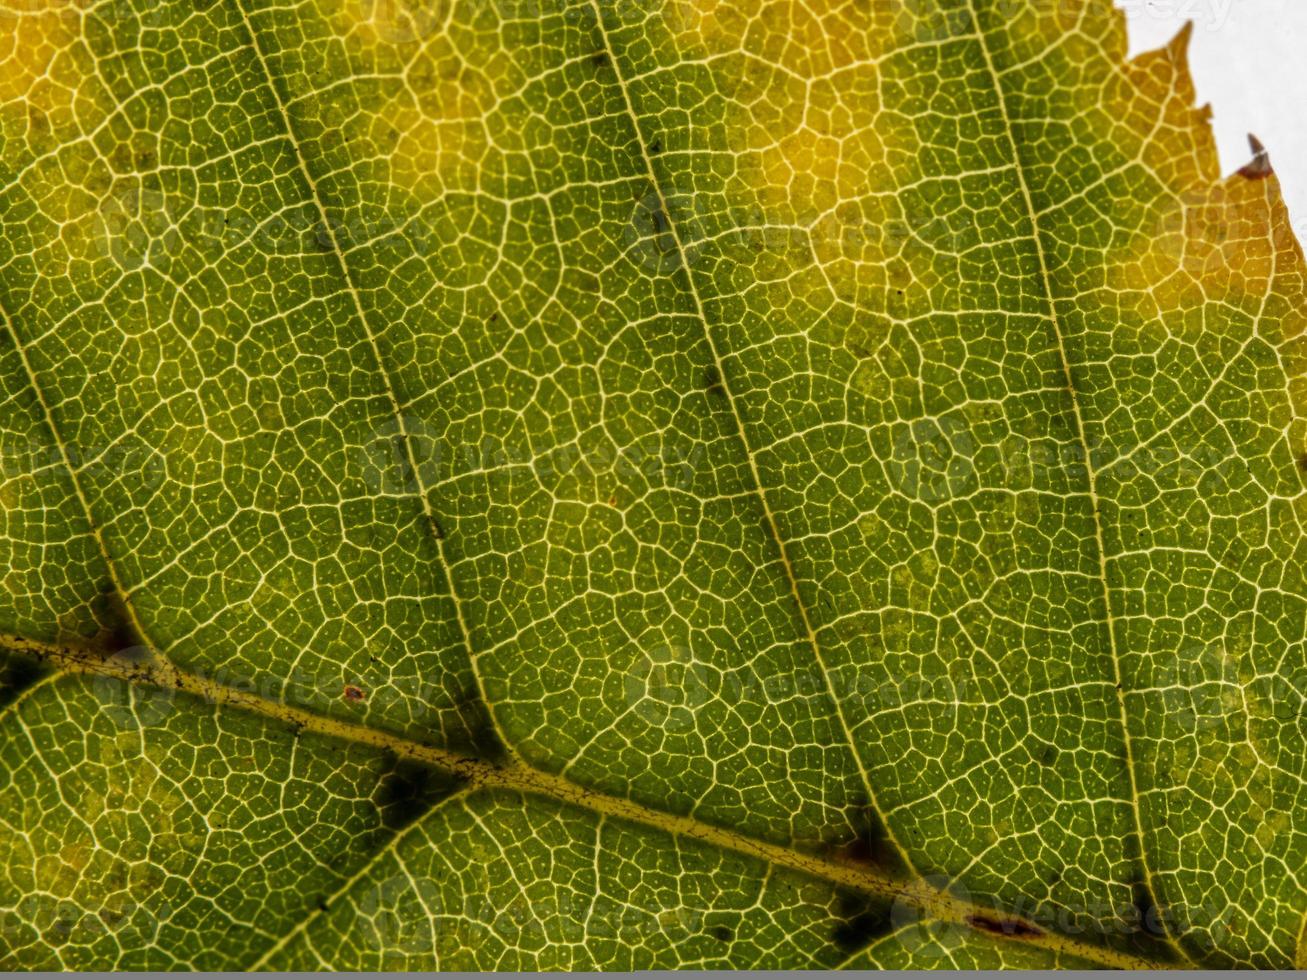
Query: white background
[(1249, 60)]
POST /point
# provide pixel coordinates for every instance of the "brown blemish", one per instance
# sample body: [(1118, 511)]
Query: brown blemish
[(856, 852), (869, 847), (1259, 168), (1004, 927), (354, 694)]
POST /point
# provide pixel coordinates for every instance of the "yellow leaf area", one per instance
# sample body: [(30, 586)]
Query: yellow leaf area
[(886, 175), (51, 101), (817, 158), (127, 799), (35, 63), (817, 154), (424, 83)]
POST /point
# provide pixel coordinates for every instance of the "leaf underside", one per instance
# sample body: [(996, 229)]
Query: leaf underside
[(577, 485)]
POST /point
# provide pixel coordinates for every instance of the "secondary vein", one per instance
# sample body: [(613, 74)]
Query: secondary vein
[(1091, 474), (375, 349), (774, 529)]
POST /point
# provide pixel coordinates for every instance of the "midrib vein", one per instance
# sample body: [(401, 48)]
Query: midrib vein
[(723, 379), (383, 371), (1046, 283), (514, 776)]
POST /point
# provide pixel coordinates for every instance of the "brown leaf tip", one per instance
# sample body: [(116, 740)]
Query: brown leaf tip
[(1259, 168)]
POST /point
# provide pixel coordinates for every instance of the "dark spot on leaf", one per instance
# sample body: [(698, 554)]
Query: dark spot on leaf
[(600, 60), (870, 847), (723, 933), (120, 635), (16, 675), (1045, 754), (1148, 916), (1302, 462), (354, 694), (37, 119), (494, 317), (112, 917), (322, 905), (322, 238), (438, 529), (860, 340), (862, 921), (1004, 927), (59, 931), (407, 790), (656, 146), (712, 380), (479, 736), (856, 852)]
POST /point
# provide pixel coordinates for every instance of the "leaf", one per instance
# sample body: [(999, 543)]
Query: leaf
[(638, 486)]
